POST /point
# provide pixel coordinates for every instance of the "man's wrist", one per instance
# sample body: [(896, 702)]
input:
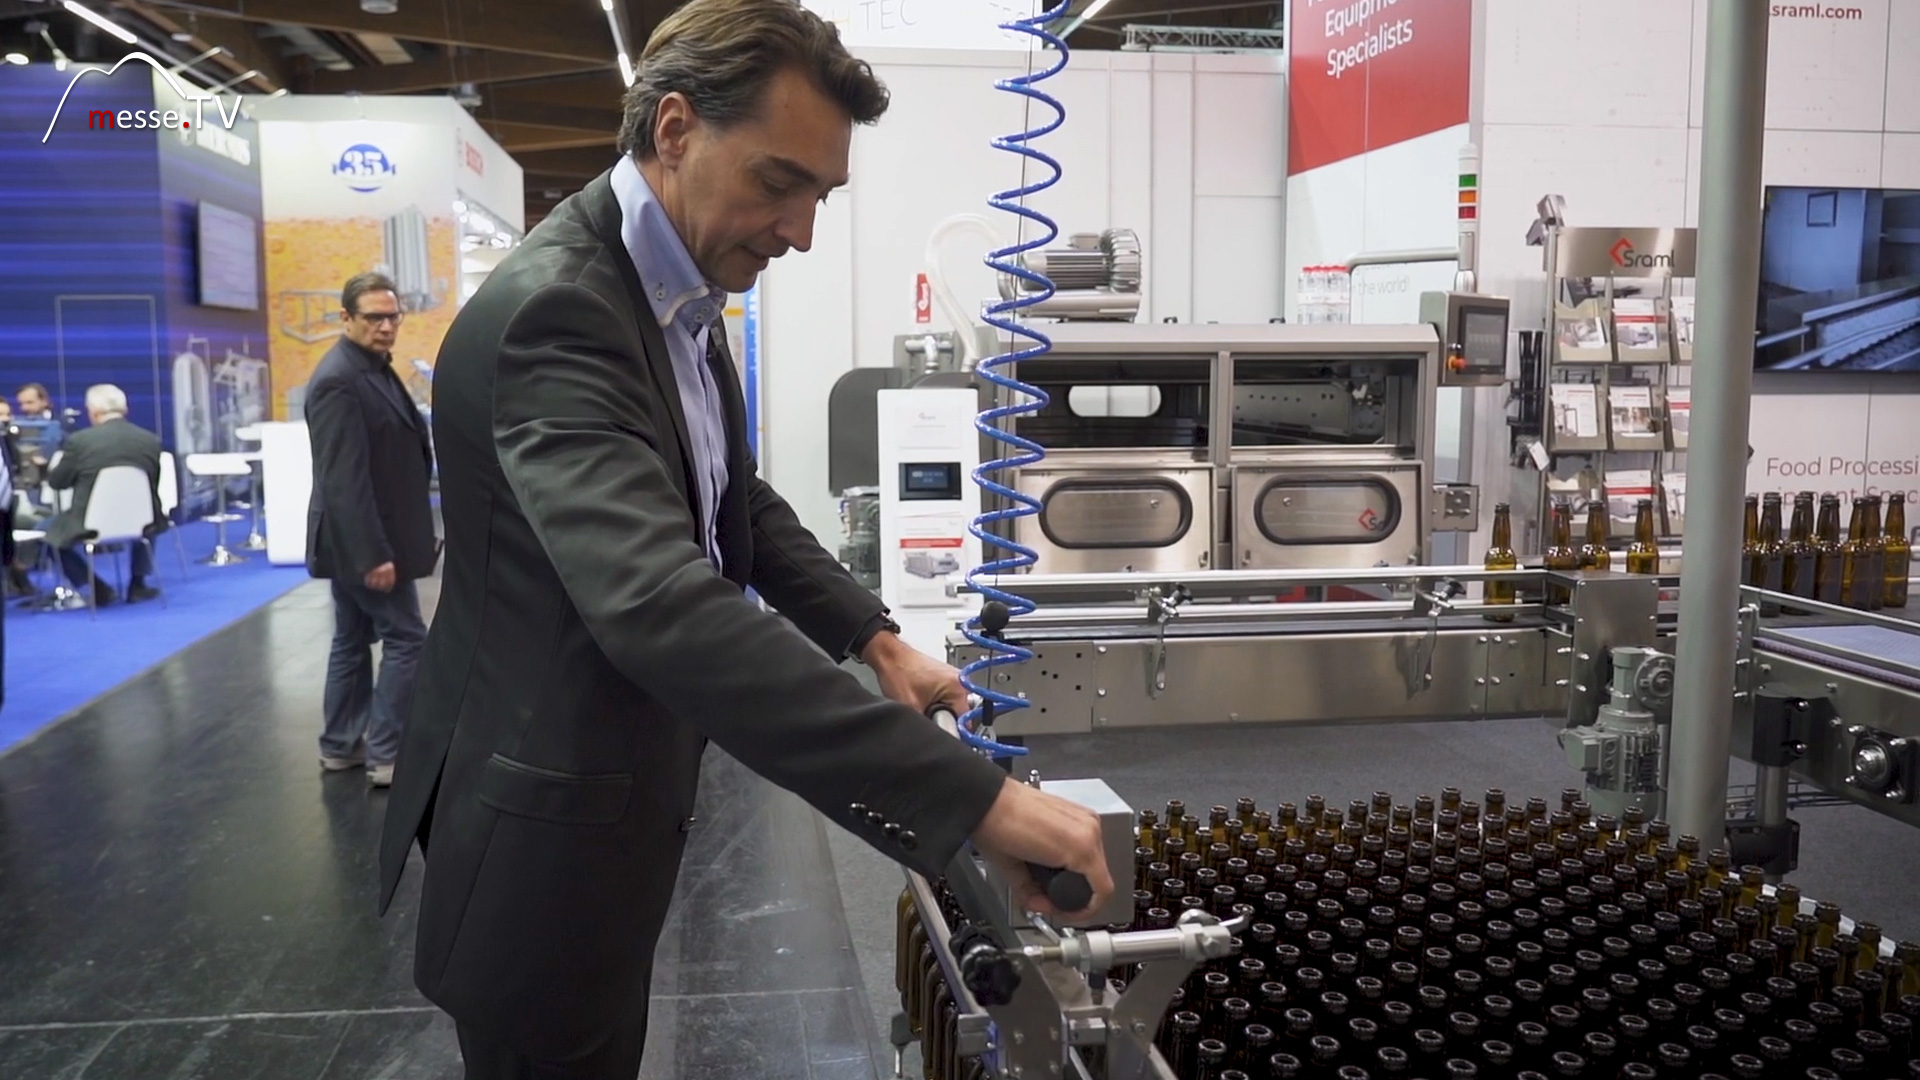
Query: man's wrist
[(879, 624), (883, 648)]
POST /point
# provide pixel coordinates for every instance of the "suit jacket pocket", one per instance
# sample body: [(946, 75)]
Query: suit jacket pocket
[(513, 787)]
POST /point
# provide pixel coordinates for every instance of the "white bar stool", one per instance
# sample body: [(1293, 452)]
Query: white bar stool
[(221, 467), (256, 540)]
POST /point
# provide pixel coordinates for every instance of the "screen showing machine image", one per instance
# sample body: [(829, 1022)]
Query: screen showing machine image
[(229, 246), (1839, 280)]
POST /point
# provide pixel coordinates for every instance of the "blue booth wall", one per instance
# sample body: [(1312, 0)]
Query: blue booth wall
[(98, 257)]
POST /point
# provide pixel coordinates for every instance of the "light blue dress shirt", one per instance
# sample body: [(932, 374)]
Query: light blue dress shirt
[(687, 308)]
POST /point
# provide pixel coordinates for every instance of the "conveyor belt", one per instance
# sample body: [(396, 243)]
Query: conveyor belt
[(1874, 652)]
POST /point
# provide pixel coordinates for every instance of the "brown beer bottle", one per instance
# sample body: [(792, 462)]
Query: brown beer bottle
[(1643, 555), (1594, 554), (1876, 557), (1560, 554), (1752, 561), (1771, 549), (1797, 564), (1899, 552), (1856, 562), (1828, 553), (1500, 556)]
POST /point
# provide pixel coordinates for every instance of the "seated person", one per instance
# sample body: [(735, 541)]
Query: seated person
[(39, 432), (112, 440)]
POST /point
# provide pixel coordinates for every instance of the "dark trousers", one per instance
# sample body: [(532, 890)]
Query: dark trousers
[(490, 1060), (74, 561), (357, 707)]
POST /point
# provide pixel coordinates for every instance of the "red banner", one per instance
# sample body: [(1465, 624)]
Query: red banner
[(1363, 74)]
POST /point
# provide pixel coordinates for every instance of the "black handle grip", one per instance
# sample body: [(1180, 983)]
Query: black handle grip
[(1068, 889)]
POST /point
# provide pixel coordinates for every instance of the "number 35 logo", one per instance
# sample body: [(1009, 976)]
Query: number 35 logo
[(364, 168)]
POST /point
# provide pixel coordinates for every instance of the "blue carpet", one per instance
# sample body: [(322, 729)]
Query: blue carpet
[(59, 661)]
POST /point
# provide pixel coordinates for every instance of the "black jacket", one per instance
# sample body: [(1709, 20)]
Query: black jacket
[(86, 452), (9, 460), (584, 649), (372, 468)]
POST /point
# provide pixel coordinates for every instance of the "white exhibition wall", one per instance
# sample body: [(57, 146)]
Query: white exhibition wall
[(1187, 150), (1394, 198), (1600, 101)]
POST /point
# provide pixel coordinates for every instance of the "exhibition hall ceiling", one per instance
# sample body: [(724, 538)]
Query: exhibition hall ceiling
[(542, 78)]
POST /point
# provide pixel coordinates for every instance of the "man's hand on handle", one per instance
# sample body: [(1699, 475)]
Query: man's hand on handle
[(911, 677), (1026, 825), (380, 578)]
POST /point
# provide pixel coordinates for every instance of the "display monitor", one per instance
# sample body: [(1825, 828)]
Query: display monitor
[(229, 246), (1839, 280)]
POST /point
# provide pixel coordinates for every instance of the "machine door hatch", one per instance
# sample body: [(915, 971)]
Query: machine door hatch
[(1093, 513), (1293, 510)]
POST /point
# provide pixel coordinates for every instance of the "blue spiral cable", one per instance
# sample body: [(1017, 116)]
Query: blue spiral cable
[(1023, 452)]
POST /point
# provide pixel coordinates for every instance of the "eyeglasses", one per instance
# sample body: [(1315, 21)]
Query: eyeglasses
[(377, 317)]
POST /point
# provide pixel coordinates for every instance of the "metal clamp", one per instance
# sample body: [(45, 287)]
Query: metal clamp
[(1163, 605), (1433, 601)]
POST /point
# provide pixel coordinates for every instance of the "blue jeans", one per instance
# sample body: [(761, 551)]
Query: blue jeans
[(357, 707)]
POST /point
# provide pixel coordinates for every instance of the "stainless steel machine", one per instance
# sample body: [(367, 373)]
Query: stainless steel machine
[(1828, 697), (1178, 447)]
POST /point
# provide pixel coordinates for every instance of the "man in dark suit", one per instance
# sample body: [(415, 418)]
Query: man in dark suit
[(111, 440), (604, 518), (6, 543), (369, 528)]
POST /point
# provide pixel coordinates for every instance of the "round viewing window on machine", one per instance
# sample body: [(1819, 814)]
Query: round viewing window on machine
[(1298, 511), (1085, 513)]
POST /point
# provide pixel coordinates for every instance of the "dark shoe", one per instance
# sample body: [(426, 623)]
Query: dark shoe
[(103, 595), (137, 593)]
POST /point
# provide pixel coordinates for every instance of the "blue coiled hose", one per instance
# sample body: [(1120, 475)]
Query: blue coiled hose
[(1025, 398)]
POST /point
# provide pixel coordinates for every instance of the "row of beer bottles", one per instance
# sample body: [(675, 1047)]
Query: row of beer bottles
[(1642, 554), (1868, 570)]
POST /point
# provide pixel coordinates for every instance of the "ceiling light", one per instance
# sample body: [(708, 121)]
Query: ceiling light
[(380, 7), (626, 68), (606, 5), (184, 37), (101, 21), (1094, 8), (18, 58)]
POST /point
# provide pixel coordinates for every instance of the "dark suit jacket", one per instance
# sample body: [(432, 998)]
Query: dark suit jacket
[(372, 468), (89, 450), (584, 650)]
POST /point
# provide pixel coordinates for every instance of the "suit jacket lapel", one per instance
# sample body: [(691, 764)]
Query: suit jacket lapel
[(387, 385), (603, 216), (735, 523)]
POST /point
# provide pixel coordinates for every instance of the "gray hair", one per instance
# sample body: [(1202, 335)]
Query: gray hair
[(106, 400), (721, 54)]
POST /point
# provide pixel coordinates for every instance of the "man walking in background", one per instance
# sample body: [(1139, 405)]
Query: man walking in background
[(369, 528)]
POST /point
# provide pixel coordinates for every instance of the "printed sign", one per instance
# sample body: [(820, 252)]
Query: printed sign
[(1365, 74)]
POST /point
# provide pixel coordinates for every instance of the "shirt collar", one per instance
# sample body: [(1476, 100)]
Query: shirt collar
[(674, 285)]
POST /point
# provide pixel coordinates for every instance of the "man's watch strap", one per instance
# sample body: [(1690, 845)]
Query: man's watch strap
[(873, 627)]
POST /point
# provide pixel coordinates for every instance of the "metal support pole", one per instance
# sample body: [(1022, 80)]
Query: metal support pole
[(1729, 267), (1770, 795)]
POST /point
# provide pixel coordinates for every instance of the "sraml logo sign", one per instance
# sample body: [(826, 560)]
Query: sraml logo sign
[(1624, 255), (210, 129)]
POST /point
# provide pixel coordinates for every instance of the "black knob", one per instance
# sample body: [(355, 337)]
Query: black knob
[(985, 969), (1067, 889), (994, 616)]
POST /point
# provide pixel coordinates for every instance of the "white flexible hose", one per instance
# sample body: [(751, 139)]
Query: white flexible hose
[(964, 322)]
